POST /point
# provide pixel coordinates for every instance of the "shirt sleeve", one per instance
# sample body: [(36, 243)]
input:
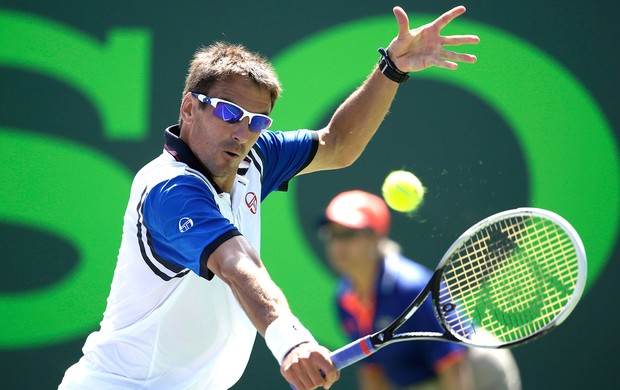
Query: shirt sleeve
[(184, 224), (284, 155)]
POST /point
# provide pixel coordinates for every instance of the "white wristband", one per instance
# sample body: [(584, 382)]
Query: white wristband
[(284, 334)]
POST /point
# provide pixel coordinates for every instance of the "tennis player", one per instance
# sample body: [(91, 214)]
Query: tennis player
[(190, 290), (377, 284)]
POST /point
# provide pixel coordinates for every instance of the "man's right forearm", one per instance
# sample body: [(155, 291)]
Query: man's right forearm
[(239, 266), (301, 359)]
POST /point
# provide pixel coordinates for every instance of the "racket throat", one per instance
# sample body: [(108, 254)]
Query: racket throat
[(381, 338)]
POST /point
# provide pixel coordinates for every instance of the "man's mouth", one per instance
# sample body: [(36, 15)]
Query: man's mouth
[(233, 151)]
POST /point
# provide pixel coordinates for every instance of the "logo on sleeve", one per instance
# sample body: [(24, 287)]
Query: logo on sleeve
[(185, 224), (251, 201)]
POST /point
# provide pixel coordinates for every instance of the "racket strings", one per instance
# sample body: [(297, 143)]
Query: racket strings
[(508, 281)]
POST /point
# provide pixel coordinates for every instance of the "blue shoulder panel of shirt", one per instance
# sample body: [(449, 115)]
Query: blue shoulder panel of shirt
[(171, 208), (284, 154)]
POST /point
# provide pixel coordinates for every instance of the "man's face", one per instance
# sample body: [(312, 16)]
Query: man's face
[(350, 250), (219, 145)]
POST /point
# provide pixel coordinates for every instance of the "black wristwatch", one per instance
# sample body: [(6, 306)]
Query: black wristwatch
[(389, 69)]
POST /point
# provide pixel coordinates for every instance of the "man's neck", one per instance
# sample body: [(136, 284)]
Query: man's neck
[(365, 280)]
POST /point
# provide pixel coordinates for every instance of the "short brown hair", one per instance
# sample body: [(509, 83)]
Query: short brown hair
[(221, 60)]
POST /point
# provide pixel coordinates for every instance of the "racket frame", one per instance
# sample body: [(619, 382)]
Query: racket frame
[(365, 346), (521, 211)]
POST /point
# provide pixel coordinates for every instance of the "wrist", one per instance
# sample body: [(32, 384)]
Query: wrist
[(284, 334), (389, 69)]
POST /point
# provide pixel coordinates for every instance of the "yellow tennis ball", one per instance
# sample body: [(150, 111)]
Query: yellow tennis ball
[(403, 191)]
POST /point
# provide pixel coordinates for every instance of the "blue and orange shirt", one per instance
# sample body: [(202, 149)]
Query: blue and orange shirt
[(399, 281)]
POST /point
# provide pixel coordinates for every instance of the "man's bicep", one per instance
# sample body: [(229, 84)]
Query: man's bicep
[(323, 159), (231, 257)]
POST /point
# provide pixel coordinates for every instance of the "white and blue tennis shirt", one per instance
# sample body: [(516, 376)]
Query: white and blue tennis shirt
[(169, 323)]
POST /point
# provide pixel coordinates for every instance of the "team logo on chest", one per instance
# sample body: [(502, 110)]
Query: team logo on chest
[(251, 201), (185, 224)]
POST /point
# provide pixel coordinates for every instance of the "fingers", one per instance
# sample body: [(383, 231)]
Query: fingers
[(423, 47), (455, 40), (460, 57), (330, 374), (312, 378), (403, 21), (448, 60), (308, 366), (449, 16)]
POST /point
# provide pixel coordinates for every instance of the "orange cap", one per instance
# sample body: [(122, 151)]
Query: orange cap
[(359, 210)]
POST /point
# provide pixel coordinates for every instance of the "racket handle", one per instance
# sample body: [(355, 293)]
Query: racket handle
[(352, 352)]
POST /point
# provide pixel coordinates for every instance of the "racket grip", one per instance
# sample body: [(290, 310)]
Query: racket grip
[(352, 352)]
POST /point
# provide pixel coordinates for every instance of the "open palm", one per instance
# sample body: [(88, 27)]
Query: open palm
[(423, 47)]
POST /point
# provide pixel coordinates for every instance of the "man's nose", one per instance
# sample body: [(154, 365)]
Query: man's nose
[(241, 130)]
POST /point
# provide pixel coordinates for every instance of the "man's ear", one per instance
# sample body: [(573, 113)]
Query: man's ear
[(188, 104)]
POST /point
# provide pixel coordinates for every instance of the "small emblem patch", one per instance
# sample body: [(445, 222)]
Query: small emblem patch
[(251, 201), (185, 224)]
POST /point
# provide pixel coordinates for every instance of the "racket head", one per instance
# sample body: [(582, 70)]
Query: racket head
[(510, 278)]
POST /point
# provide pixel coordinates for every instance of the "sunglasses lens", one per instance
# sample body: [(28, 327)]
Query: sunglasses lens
[(232, 114), (227, 112), (260, 122), (345, 234)]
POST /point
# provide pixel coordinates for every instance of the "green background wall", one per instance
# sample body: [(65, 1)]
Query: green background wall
[(87, 88)]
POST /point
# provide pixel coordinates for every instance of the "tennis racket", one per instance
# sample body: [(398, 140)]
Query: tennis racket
[(510, 278)]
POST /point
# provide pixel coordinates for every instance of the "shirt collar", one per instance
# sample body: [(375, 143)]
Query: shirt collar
[(178, 149), (388, 274)]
